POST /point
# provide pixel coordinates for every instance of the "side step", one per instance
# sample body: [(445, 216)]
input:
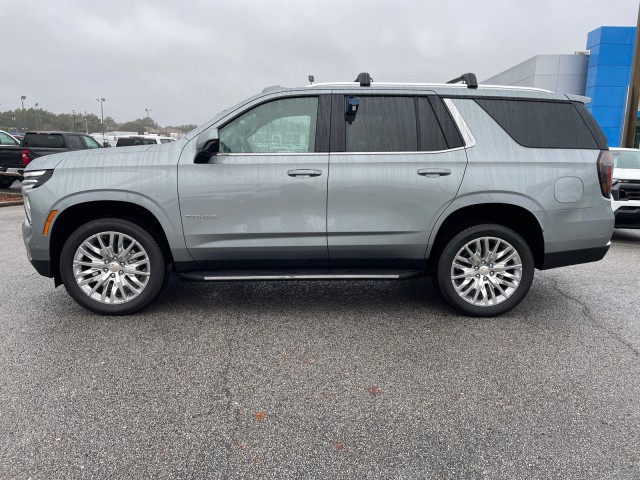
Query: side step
[(244, 275)]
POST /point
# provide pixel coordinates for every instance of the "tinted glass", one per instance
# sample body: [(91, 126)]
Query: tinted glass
[(383, 124), (430, 134), (74, 142), (451, 133), (540, 124), (281, 126), (43, 140)]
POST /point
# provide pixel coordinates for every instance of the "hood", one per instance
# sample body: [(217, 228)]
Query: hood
[(626, 173), (105, 156)]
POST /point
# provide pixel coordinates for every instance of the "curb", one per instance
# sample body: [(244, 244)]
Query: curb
[(11, 204)]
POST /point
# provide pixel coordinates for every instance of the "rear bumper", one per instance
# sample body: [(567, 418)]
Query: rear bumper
[(628, 217), (573, 257), (11, 172)]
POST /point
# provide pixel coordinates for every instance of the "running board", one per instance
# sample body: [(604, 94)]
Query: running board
[(244, 275)]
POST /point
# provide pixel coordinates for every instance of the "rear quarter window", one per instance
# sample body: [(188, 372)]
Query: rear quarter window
[(540, 124)]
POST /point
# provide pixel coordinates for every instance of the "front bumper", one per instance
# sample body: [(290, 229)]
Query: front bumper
[(625, 202)]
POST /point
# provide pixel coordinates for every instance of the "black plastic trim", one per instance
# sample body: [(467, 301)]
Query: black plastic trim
[(43, 267), (323, 124), (573, 257)]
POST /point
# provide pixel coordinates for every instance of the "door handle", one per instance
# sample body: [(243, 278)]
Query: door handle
[(434, 172), (304, 173)]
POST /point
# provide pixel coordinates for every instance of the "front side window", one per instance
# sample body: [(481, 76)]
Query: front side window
[(280, 126), (383, 124), (90, 142)]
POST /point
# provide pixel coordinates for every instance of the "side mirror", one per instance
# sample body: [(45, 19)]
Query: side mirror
[(206, 145)]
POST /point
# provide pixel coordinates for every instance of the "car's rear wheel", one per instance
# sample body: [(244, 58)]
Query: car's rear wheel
[(112, 266), (6, 182), (485, 270)]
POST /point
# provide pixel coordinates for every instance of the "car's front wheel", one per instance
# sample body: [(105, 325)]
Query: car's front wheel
[(112, 266), (485, 270)]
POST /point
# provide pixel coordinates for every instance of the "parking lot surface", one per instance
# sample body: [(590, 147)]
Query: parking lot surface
[(322, 379)]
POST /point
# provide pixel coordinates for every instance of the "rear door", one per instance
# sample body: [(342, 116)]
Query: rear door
[(394, 167)]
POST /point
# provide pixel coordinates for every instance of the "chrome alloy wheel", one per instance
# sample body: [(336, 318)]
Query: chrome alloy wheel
[(486, 271), (111, 267)]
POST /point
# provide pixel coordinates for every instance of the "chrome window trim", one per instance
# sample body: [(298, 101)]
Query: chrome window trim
[(428, 152), (467, 136)]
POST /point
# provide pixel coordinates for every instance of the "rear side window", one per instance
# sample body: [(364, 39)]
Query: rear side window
[(74, 142), (43, 140), (7, 140), (383, 124), (430, 136), (540, 124)]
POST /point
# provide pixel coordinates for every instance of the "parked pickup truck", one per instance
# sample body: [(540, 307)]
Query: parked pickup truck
[(14, 158)]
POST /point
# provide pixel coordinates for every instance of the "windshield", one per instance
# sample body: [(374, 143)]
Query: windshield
[(626, 159)]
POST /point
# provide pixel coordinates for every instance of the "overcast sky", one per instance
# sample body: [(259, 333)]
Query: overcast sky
[(187, 60)]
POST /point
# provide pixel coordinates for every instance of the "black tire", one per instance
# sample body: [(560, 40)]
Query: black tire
[(6, 182), (153, 275), (489, 281)]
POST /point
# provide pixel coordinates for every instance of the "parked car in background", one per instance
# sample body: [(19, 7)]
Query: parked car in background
[(475, 185), (7, 139), (625, 190), (15, 158), (134, 140)]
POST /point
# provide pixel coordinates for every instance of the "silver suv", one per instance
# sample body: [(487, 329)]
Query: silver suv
[(476, 186)]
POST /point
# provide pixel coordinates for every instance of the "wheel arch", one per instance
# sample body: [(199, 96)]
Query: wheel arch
[(69, 219), (515, 217)]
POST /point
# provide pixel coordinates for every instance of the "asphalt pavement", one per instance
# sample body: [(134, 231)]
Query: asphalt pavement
[(340, 379)]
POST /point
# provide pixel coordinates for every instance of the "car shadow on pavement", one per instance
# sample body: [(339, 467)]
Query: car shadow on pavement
[(626, 235)]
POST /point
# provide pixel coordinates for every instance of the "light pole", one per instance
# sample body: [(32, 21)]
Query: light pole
[(102, 100), (24, 126), (148, 120), (36, 109)]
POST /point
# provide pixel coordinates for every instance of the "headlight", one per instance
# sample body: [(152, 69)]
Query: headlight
[(32, 179), (35, 178)]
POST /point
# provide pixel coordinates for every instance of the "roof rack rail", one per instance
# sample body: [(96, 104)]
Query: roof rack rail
[(468, 78), (364, 79)]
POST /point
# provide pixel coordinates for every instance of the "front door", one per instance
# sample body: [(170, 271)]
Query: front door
[(261, 200)]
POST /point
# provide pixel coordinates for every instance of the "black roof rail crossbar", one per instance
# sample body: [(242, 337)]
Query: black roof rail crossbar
[(468, 78)]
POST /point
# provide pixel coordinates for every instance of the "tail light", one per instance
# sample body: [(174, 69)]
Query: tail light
[(605, 172), (25, 157)]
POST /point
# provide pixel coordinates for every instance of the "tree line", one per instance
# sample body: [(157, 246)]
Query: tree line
[(38, 119)]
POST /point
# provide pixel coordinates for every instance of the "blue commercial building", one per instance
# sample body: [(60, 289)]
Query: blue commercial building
[(602, 73), (608, 77)]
